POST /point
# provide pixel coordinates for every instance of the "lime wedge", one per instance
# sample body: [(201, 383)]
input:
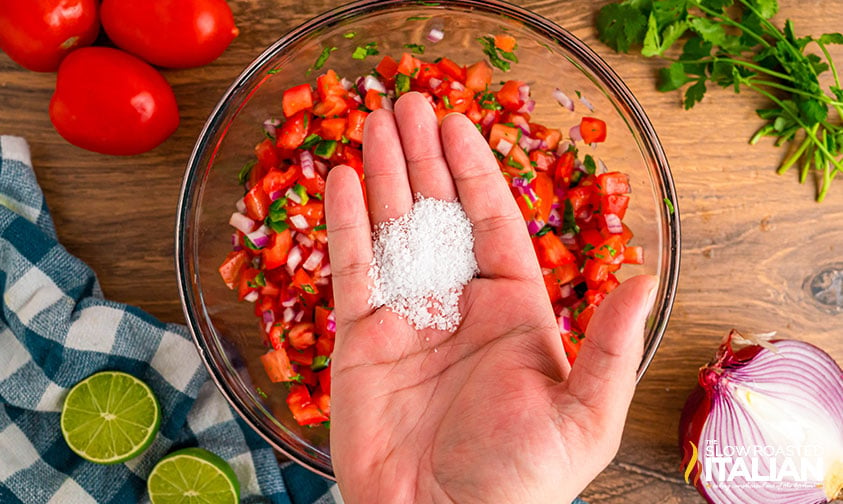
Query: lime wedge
[(193, 476), (109, 417)]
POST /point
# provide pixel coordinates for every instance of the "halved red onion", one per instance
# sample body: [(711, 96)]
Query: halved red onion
[(563, 99), (435, 35), (308, 169), (504, 146), (765, 424), (575, 133), (313, 260), (298, 221), (241, 222)]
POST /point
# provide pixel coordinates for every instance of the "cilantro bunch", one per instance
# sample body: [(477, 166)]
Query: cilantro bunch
[(733, 43)]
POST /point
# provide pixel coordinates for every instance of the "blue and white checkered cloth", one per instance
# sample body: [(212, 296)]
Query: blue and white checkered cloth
[(56, 329)]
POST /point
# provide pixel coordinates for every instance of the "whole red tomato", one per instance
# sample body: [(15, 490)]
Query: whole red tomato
[(170, 33), (111, 102), (37, 34)]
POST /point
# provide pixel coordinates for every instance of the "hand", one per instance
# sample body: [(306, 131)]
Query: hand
[(491, 413)]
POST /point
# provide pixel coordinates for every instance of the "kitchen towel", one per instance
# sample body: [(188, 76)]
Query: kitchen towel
[(56, 329)]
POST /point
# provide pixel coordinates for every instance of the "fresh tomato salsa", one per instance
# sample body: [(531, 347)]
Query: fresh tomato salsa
[(572, 206)]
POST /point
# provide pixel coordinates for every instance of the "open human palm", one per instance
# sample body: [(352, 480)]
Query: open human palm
[(491, 412)]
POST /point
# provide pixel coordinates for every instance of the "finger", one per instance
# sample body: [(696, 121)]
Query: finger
[(419, 130), (349, 244), (501, 241), (387, 186), (603, 377)]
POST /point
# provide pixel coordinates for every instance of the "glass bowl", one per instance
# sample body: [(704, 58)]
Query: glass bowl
[(227, 332)]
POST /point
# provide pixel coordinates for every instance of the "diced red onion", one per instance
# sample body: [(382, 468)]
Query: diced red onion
[(613, 223), (288, 315), (298, 221), (308, 170), (575, 133), (563, 99), (457, 85), (435, 35), (601, 166), (240, 205), (321, 167), (268, 316), (487, 120), (293, 196), (321, 281), (580, 166), (242, 223), (554, 219), (529, 144), (434, 82), (357, 99), (587, 103), (294, 259), (564, 321), (386, 103), (346, 84), (568, 239), (563, 147), (566, 290), (235, 240), (299, 316), (522, 124), (520, 182), (504, 146), (270, 125), (534, 226), (304, 240), (274, 195), (260, 236), (290, 301), (251, 297), (524, 92), (314, 260), (372, 82), (773, 408), (560, 190), (527, 108), (325, 271), (322, 238), (331, 324)]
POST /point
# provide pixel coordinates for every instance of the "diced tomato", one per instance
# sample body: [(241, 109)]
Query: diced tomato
[(454, 71), (571, 342), (542, 160), (543, 186), (325, 379), (505, 42), (292, 133), (332, 106), (387, 68), (551, 251), (593, 130), (304, 410), (333, 129), (550, 136), (613, 183), (328, 84), (257, 203), (301, 356), (312, 211), (296, 99), (426, 72), (584, 317), (595, 272), (314, 185), (247, 283), (552, 287), (478, 76), (320, 318), (278, 180), (566, 273), (323, 401), (276, 337), (277, 366), (233, 265), (408, 65), (614, 204), (563, 168), (500, 132), (517, 163), (275, 255), (303, 282), (267, 154), (509, 96), (301, 335), (633, 255), (325, 344), (356, 121), (373, 99)]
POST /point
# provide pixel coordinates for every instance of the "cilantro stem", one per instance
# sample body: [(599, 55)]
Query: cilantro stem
[(791, 90), (830, 62), (747, 64), (793, 158)]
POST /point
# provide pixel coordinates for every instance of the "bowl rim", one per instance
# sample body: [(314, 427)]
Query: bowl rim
[(572, 44)]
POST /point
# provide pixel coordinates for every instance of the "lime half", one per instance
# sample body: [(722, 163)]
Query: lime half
[(193, 476), (109, 417)]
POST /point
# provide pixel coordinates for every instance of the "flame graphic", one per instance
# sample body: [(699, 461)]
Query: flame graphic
[(691, 463)]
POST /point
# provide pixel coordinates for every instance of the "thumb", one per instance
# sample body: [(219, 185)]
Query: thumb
[(603, 377)]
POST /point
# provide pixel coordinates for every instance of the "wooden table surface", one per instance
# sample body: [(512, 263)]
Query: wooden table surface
[(752, 241)]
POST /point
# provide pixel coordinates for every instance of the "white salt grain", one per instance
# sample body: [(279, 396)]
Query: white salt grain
[(421, 262)]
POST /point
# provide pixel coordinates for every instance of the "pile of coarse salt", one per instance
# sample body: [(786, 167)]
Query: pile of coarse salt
[(421, 262)]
